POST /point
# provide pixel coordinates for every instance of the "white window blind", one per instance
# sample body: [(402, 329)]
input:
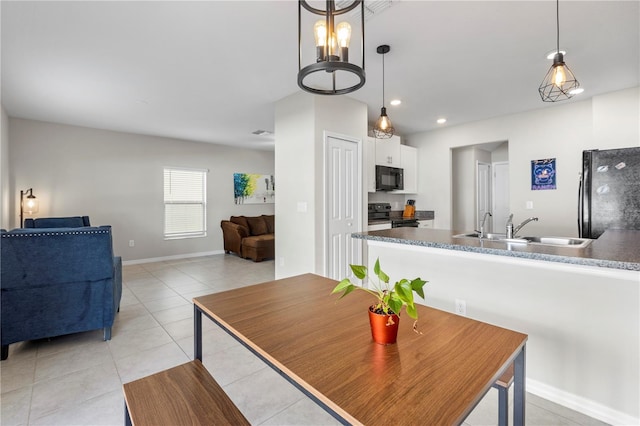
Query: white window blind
[(185, 203)]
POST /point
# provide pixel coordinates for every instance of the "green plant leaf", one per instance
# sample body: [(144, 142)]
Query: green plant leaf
[(342, 285), (348, 290), (404, 291), (379, 273), (417, 286), (395, 304), (412, 311), (360, 271)]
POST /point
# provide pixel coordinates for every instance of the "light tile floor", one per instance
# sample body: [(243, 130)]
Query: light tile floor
[(76, 379)]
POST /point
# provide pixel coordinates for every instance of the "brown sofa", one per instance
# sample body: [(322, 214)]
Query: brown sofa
[(250, 237)]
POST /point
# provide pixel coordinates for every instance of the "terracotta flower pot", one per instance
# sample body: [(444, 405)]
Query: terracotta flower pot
[(384, 328)]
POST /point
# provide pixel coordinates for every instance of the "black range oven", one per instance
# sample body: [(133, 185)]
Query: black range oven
[(404, 223), (382, 211), (379, 211)]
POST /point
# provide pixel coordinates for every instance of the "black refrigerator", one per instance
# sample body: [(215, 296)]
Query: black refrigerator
[(609, 196)]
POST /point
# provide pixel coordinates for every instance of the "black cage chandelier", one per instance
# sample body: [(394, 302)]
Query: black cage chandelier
[(559, 83), (331, 73)]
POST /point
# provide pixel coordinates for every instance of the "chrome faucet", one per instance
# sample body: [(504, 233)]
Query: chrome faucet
[(513, 231), (484, 218)]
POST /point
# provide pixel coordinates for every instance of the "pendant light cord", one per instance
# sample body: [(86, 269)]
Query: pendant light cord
[(558, 25), (383, 79)]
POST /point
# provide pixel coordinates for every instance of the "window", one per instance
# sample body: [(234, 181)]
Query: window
[(185, 203)]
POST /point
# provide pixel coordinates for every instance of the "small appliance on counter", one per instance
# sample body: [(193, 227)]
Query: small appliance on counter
[(409, 210)]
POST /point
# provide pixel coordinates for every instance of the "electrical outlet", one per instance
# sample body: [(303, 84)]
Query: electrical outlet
[(132, 243), (461, 307), (281, 261), (529, 205)]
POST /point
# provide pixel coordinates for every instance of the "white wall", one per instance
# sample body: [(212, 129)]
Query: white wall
[(501, 153), (117, 179), (464, 178), (5, 222), (561, 132), (294, 164), (616, 122), (300, 122)]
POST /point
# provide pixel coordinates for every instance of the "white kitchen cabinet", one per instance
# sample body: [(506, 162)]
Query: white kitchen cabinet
[(388, 152), (409, 164), (425, 223), (370, 164)]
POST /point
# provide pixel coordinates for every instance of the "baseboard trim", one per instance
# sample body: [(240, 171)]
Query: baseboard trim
[(174, 257), (580, 404)]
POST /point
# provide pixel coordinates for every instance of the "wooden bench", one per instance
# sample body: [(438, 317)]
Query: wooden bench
[(502, 384), (182, 395)]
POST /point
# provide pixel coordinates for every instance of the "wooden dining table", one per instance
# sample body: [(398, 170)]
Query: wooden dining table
[(322, 344)]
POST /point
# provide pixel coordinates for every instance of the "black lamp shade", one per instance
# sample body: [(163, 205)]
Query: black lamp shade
[(559, 83)]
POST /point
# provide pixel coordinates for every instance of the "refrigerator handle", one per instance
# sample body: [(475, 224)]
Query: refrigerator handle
[(580, 206)]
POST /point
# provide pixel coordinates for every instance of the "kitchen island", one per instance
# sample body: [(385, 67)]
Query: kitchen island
[(579, 306)]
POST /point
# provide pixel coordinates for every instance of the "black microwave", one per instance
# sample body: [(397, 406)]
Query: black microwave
[(389, 178)]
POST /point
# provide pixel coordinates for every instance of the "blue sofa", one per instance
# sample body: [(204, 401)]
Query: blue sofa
[(58, 222), (57, 281)]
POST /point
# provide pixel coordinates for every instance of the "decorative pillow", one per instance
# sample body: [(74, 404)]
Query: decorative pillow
[(240, 220), (257, 225), (270, 221)]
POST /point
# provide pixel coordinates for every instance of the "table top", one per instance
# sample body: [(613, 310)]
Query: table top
[(324, 344)]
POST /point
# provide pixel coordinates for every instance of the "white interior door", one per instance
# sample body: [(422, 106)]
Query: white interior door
[(344, 201), (501, 207), (483, 195)]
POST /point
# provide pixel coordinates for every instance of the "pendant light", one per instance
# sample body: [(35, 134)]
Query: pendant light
[(331, 72), (383, 128), (559, 83)]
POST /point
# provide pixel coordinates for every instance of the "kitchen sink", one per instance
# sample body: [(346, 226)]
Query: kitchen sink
[(545, 241), (476, 235), (559, 241)]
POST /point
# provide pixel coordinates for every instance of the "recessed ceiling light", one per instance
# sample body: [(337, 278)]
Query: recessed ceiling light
[(441, 120), (552, 53), (576, 91), (395, 102)]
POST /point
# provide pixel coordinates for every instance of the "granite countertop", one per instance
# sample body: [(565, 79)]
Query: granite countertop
[(615, 249)]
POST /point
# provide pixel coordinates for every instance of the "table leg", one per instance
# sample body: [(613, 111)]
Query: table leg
[(197, 333), (127, 416), (519, 391)]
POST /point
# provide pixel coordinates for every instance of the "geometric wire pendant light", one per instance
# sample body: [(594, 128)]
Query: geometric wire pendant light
[(559, 84), (383, 128), (332, 71)]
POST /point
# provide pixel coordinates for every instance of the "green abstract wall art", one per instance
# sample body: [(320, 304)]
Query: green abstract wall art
[(249, 188)]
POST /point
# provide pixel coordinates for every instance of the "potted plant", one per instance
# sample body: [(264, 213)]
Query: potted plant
[(384, 314)]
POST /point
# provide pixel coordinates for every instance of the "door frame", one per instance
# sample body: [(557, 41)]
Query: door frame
[(490, 194), (494, 180), (326, 187)]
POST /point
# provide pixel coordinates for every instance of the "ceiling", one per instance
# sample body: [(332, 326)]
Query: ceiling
[(213, 71)]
